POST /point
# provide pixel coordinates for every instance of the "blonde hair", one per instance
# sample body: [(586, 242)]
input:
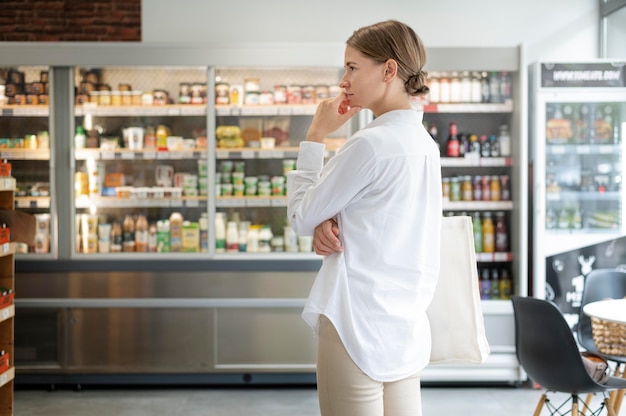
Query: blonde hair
[(394, 40)]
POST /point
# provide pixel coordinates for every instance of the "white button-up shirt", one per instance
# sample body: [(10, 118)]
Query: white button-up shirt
[(384, 189)]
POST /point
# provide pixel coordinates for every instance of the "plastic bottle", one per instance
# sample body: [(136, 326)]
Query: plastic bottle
[(494, 88), (476, 89), (467, 192), (163, 236), (80, 138), (176, 232), (495, 284), (485, 284), (505, 284), (116, 237), (220, 232), (152, 238), (478, 232), (141, 234), (455, 88), (252, 245), (494, 186), (265, 238), (502, 235), (489, 235), (244, 226), (466, 87), (485, 146), (232, 237), (444, 88), (504, 139), (433, 85), (453, 144), (204, 232), (129, 229)]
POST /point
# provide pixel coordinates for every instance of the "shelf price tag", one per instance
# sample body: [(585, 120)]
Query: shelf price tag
[(107, 155), (163, 155), (247, 154), (128, 155), (221, 154), (149, 155), (192, 203), (258, 202), (3, 379), (5, 313)]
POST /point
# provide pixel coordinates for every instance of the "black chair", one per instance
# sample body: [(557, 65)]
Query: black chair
[(549, 354), (602, 284)]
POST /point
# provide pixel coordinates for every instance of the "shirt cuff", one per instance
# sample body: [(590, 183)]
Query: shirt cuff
[(311, 156)]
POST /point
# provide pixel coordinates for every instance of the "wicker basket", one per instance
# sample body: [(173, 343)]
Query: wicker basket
[(609, 337)]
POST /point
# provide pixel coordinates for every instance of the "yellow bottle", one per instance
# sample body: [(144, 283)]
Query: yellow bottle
[(489, 235)]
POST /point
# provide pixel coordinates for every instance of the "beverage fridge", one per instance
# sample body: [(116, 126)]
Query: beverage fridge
[(577, 132)]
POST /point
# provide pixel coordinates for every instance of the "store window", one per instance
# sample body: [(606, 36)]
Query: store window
[(612, 28)]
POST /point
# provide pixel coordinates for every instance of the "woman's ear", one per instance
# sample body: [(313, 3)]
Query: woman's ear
[(391, 69)]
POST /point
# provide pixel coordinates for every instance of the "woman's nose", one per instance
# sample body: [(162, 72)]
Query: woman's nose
[(343, 84)]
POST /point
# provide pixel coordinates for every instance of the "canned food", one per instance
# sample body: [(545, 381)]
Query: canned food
[(280, 94), (222, 93), (160, 97), (308, 94), (32, 99)]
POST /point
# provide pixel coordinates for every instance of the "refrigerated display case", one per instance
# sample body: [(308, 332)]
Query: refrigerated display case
[(140, 160), (25, 143), (578, 121), (116, 317)]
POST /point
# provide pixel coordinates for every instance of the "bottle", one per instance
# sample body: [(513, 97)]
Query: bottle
[(505, 284), (455, 88), (505, 189), (478, 232), (495, 284), (467, 191), (551, 222), (161, 136), (563, 221), (444, 88), (484, 87), (445, 188), (453, 146), (494, 88), (203, 222), (485, 284), (163, 236), (489, 236), (506, 86), (433, 85), (577, 218), (80, 138), (455, 189), (232, 237), (116, 237), (463, 145), (244, 226), (477, 187), (190, 237), (485, 146), (149, 140), (474, 145), (494, 187), (476, 88), (152, 238), (504, 138), (128, 227), (486, 188), (466, 87), (220, 232), (502, 235), (176, 232), (252, 245), (265, 239), (141, 234), (494, 146)]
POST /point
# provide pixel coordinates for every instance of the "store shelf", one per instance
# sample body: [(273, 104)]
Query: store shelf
[(477, 205), (448, 162), (583, 149), (114, 202), (32, 202), (583, 196), (141, 110), (494, 257), (7, 376), (144, 154), (266, 110), (7, 183), (7, 312), (25, 154), (506, 107), (250, 201), (24, 110), (286, 152)]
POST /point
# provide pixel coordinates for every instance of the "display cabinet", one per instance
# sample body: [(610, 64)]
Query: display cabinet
[(25, 143), (140, 160), (244, 298)]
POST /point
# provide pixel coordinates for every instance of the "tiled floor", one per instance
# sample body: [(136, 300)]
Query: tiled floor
[(257, 401)]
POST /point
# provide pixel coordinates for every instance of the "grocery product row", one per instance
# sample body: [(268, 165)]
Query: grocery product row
[(476, 188), (471, 145), (583, 123), (495, 283), (470, 87), (16, 91)]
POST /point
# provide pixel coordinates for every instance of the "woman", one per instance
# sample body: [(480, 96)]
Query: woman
[(381, 193)]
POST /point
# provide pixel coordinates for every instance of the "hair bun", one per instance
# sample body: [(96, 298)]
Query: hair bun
[(416, 84)]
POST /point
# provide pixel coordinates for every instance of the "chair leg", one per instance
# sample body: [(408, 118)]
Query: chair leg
[(542, 401), (619, 394), (574, 405), (588, 401), (609, 408)]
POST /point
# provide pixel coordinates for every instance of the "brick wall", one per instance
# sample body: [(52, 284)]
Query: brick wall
[(70, 20)]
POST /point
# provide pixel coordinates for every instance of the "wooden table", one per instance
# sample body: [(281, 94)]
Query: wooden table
[(612, 310)]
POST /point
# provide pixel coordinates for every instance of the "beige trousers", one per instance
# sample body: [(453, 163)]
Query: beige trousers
[(344, 390)]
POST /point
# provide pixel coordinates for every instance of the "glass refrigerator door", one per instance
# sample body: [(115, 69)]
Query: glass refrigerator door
[(25, 146), (584, 164), (140, 155)]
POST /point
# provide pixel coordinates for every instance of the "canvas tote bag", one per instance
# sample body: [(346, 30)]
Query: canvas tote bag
[(455, 313)]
